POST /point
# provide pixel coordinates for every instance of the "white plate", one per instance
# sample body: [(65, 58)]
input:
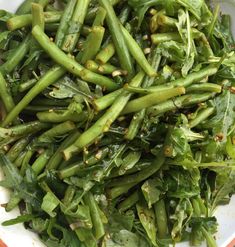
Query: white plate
[(17, 235)]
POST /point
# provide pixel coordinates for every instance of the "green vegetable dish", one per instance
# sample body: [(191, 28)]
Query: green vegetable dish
[(117, 120)]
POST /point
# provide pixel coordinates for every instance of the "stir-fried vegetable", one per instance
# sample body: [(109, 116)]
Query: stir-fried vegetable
[(117, 120)]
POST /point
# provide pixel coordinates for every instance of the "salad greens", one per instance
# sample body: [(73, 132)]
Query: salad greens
[(117, 120)]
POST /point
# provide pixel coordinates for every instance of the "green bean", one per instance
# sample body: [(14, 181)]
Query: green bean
[(25, 7), (64, 22), (201, 87), (69, 63), (21, 21), (13, 202), (120, 190), (118, 38), (137, 53), (85, 30), (102, 69), (95, 158), (154, 25), (147, 218), (71, 171), (194, 239), (107, 100), (152, 99), (92, 44), (18, 162), (27, 85), (92, 65), (17, 148), (72, 111), (214, 20), (37, 16), (69, 195), (179, 102), (105, 54), (129, 202), (161, 219), (196, 207), (101, 80), (51, 102), (201, 116), (209, 238), (32, 109), (204, 87), (6, 95), (16, 57), (164, 20), (58, 116), (98, 226), (40, 163), (23, 129), (129, 161), (160, 19), (149, 90), (104, 123), (44, 3), (195, 76), (108, 69), (57, 157), (5, 143), (141, 175), (79, 14), (58, 130), (138, 117), (86, 236), (47, 79), (191, 78), (52, 27), (25, 162), (52, 17), (202, 206), (135, 124), (136, 168), (100, 17), (163, 37)]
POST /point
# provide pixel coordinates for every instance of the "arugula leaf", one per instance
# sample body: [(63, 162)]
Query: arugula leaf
[(224, 119), (20, 219), (181, 183), (69, 239), (200, 226), (118, 221), (194, 6), (181, 216), (65, 88), (50, 203), (147, 218), (225, 186), (151, 190), (124, 238), (223, 32), (5, 15), (141, 7), (79, 216), (14, 179)]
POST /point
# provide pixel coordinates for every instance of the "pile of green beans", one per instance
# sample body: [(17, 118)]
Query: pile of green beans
[(90, 97)]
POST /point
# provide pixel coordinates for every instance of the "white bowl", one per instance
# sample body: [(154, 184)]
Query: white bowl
[(17, 235)]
